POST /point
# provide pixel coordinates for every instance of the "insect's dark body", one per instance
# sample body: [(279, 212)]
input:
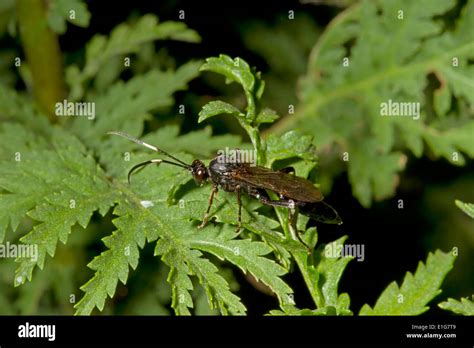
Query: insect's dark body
[(292, 191), (221, 175), (255, 180)]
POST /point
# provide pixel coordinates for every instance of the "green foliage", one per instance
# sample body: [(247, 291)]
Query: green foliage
[(7, 20), (68, 179), (467, 208), (330, 268), (321, 274), (124, 40), (59, 201), (237, 70), (463, 307), (72, 11), (390, 56), (285, 47), (216, 108), (291, 310), (416, 290), (323, 270), (66, 185)]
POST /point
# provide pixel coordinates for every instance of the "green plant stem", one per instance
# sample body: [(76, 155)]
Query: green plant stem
[(251, 129), (257, 143), (301, 259), (43, 54)]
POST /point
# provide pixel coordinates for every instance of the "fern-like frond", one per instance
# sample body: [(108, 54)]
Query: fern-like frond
[(464, 307), (394, 48), (416, 290), (124, 40)]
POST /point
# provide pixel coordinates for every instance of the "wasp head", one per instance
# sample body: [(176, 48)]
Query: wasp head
[(199, 172)]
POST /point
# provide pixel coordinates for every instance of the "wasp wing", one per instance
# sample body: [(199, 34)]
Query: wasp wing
[(288, 185), (322, 212)]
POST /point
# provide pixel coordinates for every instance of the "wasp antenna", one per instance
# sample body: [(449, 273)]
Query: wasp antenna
[(154, 148), (144, 164)]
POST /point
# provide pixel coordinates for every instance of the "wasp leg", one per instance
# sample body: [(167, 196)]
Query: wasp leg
[(264, 199), (262, 196), (206, 215), (292, 216)]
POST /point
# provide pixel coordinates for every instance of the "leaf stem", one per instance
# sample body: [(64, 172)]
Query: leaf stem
[(256, 140), (301, 259), (43, 54)]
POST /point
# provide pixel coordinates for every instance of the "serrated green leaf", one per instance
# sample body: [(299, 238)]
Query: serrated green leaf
[(72, 11), (84, 187), (245, 254), (237, 70), (442, 100), (125, 39), (18, 108), (291, 144), (267, 115), (127, 104), (218, 107), (451, 142), (216, 286), (416, 290), (329, 262), (371, 173), (294, 311), (180, 281), (77, 189), (179, 242), (463, 307), (468, 208), (113, 264), (294, 146)]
